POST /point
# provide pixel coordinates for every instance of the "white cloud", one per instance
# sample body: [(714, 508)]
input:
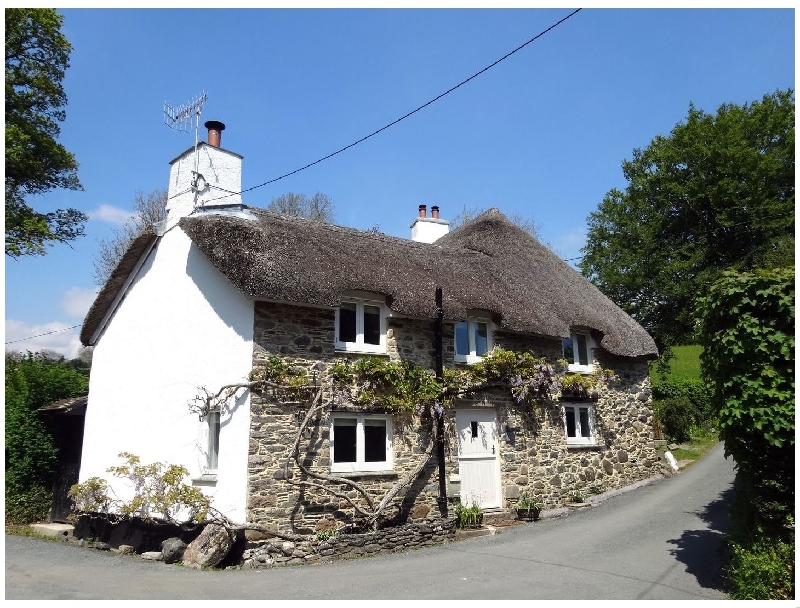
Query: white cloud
[(110, 214), (54, 336), (76, 301)]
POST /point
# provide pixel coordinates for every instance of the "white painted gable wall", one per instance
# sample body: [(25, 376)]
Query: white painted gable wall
[(181, 325)]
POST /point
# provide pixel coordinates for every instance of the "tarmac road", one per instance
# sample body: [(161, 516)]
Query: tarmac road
[(659, 541)]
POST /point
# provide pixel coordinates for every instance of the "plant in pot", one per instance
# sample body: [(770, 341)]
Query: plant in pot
[(528, 507)]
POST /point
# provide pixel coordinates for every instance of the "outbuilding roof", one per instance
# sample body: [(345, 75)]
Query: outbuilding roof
[(488, 264)]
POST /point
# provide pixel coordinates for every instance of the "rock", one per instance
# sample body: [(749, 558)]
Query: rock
[(126, 550), (102, 546), (154, 556), (172, 549), (287, 548), (420, 511), (208, 549)]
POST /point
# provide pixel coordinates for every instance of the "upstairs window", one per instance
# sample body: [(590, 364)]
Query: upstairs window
[(473, 339), (212, 441), (578, 351), (361, 327), (360, 442)]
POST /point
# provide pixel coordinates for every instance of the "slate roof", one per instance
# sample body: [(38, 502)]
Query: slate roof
[(487, 264)]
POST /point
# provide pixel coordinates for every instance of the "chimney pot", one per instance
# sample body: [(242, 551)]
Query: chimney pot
[(422, 210), (215, 129), (435, 212)]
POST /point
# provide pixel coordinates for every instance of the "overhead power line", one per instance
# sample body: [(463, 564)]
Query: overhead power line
[(56, 331), (394, 122)]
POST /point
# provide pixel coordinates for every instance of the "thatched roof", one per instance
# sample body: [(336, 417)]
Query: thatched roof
[(488, 264)]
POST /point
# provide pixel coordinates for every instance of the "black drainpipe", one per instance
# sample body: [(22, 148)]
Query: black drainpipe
[(442, 500)]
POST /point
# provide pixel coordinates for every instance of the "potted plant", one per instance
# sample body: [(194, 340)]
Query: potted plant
[(469, 517), (528, 507)]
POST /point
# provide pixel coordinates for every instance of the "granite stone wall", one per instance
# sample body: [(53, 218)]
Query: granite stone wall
[(533, 452)]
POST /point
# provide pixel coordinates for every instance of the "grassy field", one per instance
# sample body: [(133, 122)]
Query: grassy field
[(685, 365)]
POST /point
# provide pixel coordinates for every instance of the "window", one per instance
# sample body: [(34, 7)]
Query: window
[(361, 327), (473, 339), (579, 423), (212, 452), (578, 351), (361, 442)]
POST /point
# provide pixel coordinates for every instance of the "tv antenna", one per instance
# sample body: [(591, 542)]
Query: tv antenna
[(180, 119)]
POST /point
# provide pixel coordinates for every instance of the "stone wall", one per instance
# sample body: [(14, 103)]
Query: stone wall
[(533, 455), (348, 546)]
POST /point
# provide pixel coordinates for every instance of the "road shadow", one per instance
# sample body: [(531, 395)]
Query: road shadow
[(703, 550)]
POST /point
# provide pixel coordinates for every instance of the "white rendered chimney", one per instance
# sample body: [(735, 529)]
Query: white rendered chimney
[(429, 229), (206, 182)]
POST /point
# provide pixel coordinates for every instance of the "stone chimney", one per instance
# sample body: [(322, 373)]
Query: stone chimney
[(428, 229), (208, 179)]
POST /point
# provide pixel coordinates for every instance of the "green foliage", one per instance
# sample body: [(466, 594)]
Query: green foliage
[(283, 371), (37, 56), (576, 497), (158, 490), (676, 416), (528, 502), (762, 571), (468, 517), (717, 193), (324, 535), (748, 359), (31, 453), (28, 505)]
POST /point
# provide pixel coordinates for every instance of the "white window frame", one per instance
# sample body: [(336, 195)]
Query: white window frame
[(359, 346), (213, 432), (579, 439), (575, 365), (472, 357), (360, 465)]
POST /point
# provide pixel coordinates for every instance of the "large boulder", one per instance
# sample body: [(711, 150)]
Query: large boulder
[(173, 549), (210, 548)]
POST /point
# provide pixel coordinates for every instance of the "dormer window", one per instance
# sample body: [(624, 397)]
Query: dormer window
[(361, 326), (473, 339), (578, 351)]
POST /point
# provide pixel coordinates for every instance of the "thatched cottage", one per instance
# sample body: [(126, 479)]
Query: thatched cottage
[(221, 287)]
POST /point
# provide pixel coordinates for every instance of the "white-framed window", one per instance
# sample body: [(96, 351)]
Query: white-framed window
[(361, 442), (473, 339), (212, 441), (578, 351), (579, 423), (361, 326)]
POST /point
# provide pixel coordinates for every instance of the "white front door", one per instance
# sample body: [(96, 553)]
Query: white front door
[(478, 462)]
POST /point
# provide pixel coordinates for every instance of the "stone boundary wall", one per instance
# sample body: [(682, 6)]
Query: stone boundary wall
[(348, 546)]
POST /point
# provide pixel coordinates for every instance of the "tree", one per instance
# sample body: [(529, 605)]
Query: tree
[(319, 207), (717, 193), (37, 56), (31, 382), (148, 210), (469, 213)]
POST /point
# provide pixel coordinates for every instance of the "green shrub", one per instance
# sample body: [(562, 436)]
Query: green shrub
[(676, 416), (693, 390), (27, 506), (762, 571), (469, 517)]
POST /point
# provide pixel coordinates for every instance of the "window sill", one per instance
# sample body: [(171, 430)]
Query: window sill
[(354, 474), (583, 446), (358, 350), (206, 479), (574, 368), (467, 360)]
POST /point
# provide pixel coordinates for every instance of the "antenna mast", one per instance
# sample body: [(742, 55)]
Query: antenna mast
[(180, 119)]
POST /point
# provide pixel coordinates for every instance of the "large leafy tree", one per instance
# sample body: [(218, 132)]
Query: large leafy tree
[(37, 56), (717, 193)]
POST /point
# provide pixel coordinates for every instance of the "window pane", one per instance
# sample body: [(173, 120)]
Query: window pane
[(213, 440), (583, 353), (462, 338), (481, 339), (570, 415), (344, 440), (372, 325), (374, 440), (566, 345), (585, 430), (347, 322)]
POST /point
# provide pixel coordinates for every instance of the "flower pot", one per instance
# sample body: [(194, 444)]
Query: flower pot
[(531, 514)]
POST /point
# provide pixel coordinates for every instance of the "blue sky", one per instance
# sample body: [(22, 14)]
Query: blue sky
[(541, 134)]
